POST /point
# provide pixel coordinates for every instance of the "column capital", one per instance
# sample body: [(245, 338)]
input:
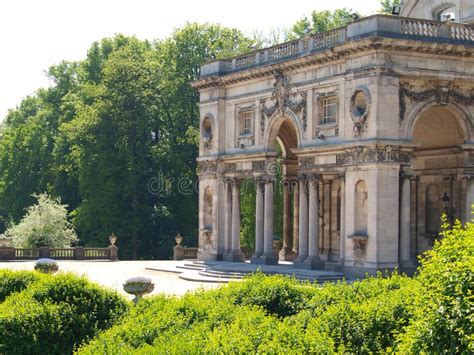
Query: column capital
[(342, 176)]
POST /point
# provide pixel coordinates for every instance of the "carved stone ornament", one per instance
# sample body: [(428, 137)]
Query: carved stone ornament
[(365, 155), (206, 131), (360, 109), (282, 99), (207, 167), (306, 163), (441, 93)]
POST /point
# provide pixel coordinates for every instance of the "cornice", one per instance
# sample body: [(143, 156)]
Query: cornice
[(342, 52)]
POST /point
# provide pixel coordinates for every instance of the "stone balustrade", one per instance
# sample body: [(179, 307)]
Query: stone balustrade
[(372, 26), (77, 253)]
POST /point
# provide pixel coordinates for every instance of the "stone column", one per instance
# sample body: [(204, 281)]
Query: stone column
[(267, 257), (296, 216), (405, 220), (303, 224), (286, 253), (342, 227), (228, 217), (259, 221), (235, 253), (313, 261), (469, 197)]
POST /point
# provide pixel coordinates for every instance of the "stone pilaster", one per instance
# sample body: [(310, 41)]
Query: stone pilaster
[(259, 220), (303, 223), (296, 216), (287, 253), (342, 227), (405, 220), (313, 261), (235, 253), (469, 197)]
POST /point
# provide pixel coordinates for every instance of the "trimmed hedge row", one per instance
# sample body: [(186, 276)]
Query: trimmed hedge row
[(267, 315), (431, 313), (16, 281), (55, 314)]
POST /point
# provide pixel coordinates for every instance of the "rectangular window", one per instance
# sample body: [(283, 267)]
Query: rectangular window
[(329, 108), (245, 118)]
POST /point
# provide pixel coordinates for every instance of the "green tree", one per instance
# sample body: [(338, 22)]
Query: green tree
[(387, 6), (44, 225), (322, 21)]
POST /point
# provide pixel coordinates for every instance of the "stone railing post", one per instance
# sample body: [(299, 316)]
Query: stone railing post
[(78, 253), (113, 253), (7, 253), (178, 252), (44, 252)]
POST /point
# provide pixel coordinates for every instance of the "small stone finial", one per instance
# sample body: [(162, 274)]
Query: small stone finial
[(178, 239), (112, 239)]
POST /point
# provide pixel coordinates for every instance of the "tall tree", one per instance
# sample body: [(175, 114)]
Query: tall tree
[(387, 6), (322, 21)]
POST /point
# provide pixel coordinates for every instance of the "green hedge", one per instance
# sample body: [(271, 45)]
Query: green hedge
[(16, 281), (55, 314)]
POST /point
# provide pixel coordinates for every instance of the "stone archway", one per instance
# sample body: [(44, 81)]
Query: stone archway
[(438, 163)]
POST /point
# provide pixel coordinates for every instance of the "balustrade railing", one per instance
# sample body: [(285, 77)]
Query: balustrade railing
[(424, 28), (78, 253), (377, 25)]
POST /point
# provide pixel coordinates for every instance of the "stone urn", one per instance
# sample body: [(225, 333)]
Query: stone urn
[(138, 286)]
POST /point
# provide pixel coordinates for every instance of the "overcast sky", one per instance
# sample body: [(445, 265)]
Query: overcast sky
[(35, 34)]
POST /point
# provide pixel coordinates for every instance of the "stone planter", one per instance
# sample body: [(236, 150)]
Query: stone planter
[(138, 287), (47, 266)]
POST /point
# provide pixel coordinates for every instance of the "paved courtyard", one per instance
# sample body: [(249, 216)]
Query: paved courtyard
[(113, 274)]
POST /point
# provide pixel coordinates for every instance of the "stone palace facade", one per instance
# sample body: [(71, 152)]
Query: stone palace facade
[(374, 122)]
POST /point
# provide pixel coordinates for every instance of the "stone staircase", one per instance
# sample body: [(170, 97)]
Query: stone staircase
[(223, 272)]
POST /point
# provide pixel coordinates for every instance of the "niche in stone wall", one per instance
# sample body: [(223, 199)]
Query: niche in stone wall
[(206, 132), (432, 210), (360, 208)]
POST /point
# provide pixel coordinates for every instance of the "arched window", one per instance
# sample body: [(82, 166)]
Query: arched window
[(360, 209), (432, 210), (208, 208), (444, 12)]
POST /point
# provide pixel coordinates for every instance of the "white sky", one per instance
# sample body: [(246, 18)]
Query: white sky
[(35, 34)]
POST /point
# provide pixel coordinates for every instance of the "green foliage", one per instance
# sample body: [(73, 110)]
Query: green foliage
[(55, 314), (15, 281), (387, 6), (444, 314), (44, 225), (110, 128), (322, 21), (280, 296)]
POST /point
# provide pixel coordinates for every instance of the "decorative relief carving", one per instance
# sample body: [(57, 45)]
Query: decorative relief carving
[(231, 168), (361, 155), (259, 165), (360, 109), (441, 93), (207, 167), (306, 163), (283, 99)]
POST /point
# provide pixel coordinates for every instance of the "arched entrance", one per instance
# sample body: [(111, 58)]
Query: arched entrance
[(438, 163), (276, 196)]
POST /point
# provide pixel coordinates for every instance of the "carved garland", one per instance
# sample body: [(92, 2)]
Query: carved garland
[(441, 94), (281, 100), (361, 155)]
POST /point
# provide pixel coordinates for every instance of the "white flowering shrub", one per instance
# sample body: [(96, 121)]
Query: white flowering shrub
[(44, 225)]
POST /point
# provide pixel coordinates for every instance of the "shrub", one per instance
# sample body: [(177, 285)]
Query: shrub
[(44, 225), (444, 315), (279, 295), (65, 310), (15, 281)]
